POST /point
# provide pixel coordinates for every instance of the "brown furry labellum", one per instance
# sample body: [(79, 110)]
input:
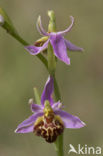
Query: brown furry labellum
[(49, 127), (41, 41)]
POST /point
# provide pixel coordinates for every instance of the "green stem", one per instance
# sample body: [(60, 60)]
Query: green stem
[(8, 26), (51, 60), (59, 146), (59, 141), (23, 42), (51, 69)]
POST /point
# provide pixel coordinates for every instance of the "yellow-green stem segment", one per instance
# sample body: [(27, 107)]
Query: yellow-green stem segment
[(51, 68)]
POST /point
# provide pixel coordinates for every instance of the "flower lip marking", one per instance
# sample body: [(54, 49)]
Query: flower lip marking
[(41, 41), (49, 126)]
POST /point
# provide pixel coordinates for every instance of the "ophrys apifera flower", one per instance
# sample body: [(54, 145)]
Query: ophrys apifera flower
[(48, 119), (57, 40)]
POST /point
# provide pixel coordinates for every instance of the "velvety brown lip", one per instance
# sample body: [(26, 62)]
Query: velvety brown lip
[(49, 128)]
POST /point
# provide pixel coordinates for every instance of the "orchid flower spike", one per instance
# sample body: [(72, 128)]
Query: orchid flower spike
[(48, 119), (56, 39)]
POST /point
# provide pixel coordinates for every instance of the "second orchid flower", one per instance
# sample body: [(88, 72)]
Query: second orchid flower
[(56, 39)]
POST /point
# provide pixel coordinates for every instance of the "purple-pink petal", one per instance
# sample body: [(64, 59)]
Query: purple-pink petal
[(57, 105), (26, 125), (36, 108), (40, 27), (72, 47), (69, 120), (34, 50), (59, 47), (48, 90), (25, 129), (69, 28)]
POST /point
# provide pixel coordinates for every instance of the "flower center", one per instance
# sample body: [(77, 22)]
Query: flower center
[(49, 126), (41, 41)]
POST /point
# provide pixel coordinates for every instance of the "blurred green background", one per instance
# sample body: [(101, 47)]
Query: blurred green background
[(81, 83)]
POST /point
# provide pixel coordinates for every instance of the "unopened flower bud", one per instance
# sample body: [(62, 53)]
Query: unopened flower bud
[(1, 20), (30, 101)]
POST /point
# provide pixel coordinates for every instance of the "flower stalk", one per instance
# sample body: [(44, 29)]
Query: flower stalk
[(51, 68), (51, 60), (51, 56), (8, 26)]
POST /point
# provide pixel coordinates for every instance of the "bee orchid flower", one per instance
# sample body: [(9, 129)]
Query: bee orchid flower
[(57, 40), (48, 119)]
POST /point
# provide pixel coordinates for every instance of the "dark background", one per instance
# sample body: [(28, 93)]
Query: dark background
[(81, 83)]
